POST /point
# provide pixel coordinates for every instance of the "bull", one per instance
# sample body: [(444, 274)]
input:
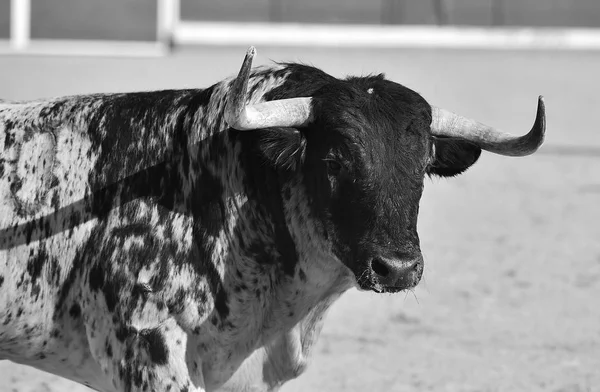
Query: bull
[(193, 240)]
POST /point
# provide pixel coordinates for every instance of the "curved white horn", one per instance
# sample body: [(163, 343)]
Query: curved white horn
[(445, 123), (293, 112)]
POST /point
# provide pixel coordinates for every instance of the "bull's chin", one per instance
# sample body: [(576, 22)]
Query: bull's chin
[(376, 287), (390, 290)]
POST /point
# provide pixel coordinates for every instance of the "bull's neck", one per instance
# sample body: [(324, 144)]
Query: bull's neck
[(284, 258), (270, 244), (319, 275)]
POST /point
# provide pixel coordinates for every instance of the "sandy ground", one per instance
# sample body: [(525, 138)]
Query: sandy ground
[(510, 299)]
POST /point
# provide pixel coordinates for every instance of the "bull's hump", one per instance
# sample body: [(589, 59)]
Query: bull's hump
[(57, 155)]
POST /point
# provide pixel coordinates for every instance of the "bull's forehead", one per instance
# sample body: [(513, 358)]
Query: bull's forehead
[(389, 127)]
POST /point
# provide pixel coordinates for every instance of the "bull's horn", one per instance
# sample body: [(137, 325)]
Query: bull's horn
[(293, 113), (445, 123)]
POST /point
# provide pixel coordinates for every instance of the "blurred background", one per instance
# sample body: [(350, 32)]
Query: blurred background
[(136, 19), (510, 299)]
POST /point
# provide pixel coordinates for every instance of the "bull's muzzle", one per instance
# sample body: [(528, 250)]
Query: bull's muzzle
[(393, 275)]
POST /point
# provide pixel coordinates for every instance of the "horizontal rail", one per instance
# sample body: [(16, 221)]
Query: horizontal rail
[(52, 47), (383, 36)]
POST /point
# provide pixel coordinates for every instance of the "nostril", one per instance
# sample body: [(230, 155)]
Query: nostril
[(379, 267)]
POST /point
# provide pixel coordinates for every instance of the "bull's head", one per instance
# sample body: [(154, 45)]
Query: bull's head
[(364, 147)]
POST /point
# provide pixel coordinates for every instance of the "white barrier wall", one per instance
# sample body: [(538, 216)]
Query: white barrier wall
[(84, 27), (151, 27)]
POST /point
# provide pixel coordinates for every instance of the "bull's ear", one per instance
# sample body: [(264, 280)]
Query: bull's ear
[(282, 148), (452, 157)]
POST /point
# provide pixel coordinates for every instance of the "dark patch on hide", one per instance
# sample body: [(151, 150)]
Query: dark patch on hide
[(175, 304), (134, 229), (36, 263), (10, 137), (208, 207), (123, 332), (221, 304), (302, 275), (55, 201), (156, 345), (96, 278), (75, 311), (54, 271), (131, 374), (113, 289)]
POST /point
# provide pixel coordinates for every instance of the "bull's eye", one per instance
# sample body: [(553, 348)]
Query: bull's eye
[(333, 167)]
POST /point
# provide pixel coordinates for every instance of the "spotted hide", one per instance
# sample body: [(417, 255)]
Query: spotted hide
[(136, 255), (147, 244)]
